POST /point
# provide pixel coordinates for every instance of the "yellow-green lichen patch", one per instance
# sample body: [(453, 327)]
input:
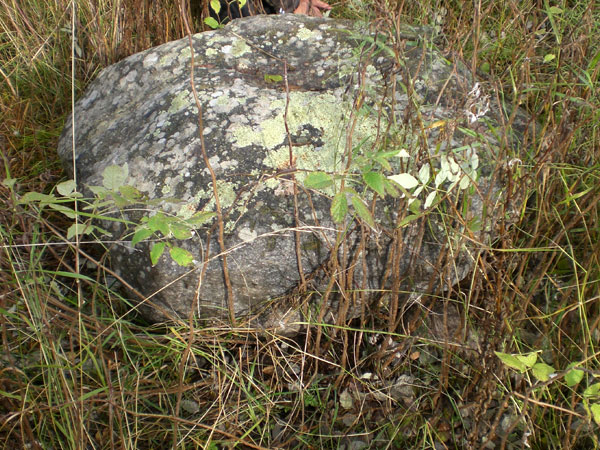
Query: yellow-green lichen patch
[(227, 195), (185, 53), (211, 52), (166, 59), (216, 39), (305, 108), (307, 158), (305, 34), (240, 48), (268, 134), (373, 74), (180, 101), (324, 112)]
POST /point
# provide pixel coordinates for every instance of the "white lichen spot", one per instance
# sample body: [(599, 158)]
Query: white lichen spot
[(150, 60), (224, 103), (214, 162), (247, 235), (131, 76)]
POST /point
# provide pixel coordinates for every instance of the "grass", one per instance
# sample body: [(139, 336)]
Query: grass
[(80, 371)]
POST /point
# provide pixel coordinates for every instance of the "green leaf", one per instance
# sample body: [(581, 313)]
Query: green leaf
[(180, 231), (440, 178), (339, 207), (140, 235), (63, 273), (215, 5), (573, 377), (387, 155), (362, 211), (390, 188), (318, 180), (528, 359), (555, 10), (9, 182), (375, 181), (414, 206), (119, 201), (181, 256), (130, 193), (159, 222), (408, 219), (549, 57), (114, 177), (99, 191), (200, 218), (273, 78), (383, 161), (595, 411), (407, 181), (66, 188), (429, 200), (543, 371), (424, 174), (592, 391), (33, 197), (77, 229), (211, 22), (594, 62), (70, 213), (156, 252), (512, 361)]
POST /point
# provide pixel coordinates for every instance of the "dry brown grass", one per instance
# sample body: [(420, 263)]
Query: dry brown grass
[(99, 377)]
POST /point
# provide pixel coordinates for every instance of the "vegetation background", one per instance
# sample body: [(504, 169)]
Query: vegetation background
[(79, 371)]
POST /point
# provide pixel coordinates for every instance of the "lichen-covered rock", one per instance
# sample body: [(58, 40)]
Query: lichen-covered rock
[(328, 87)]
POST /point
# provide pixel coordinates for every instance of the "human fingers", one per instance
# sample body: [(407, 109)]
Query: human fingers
[(303, 7), (321, 5)]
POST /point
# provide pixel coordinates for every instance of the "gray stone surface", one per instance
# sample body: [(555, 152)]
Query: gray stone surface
[(141, 111)]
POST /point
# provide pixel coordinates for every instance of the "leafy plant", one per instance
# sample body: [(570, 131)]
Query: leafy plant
[(528, 363), (110, 203)]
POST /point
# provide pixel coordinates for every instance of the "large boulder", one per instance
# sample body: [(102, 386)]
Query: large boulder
[(348, 100)]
